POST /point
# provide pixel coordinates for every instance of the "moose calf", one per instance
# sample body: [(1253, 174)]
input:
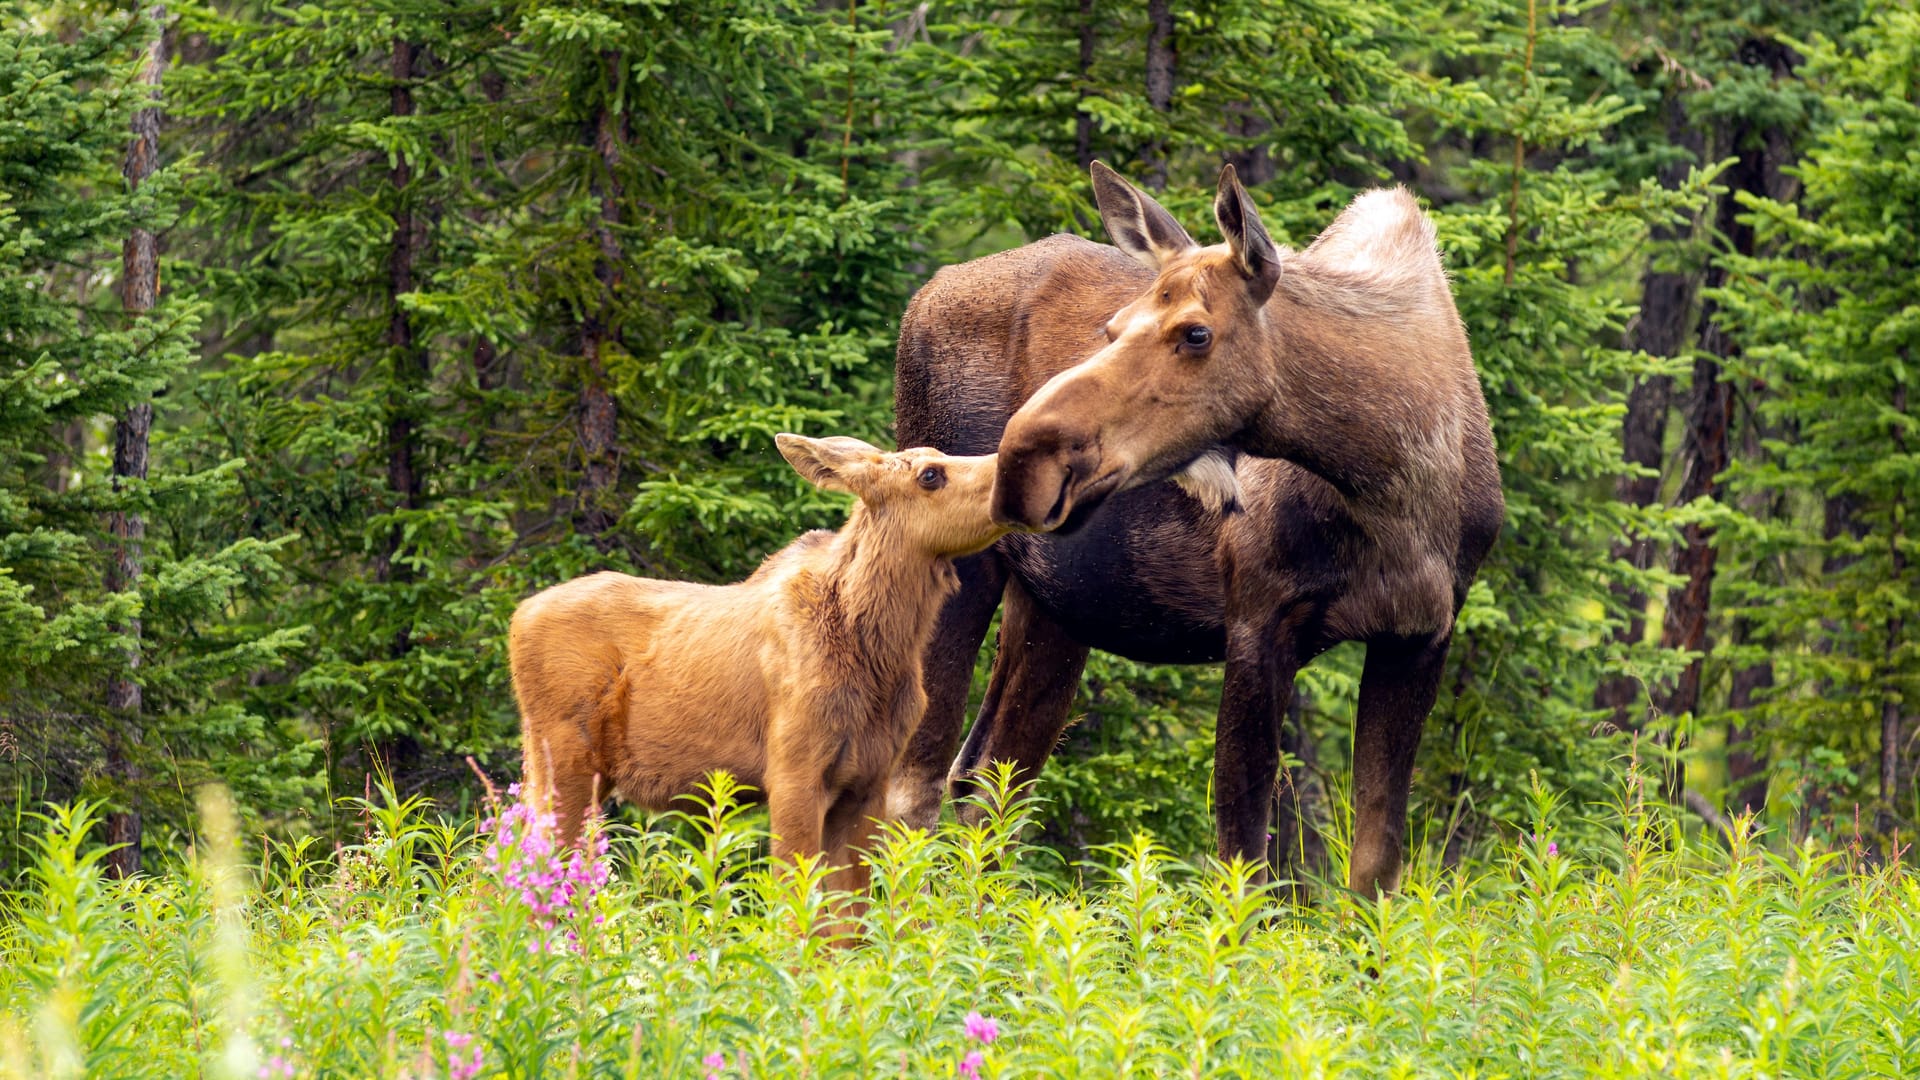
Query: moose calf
[(802, 681)]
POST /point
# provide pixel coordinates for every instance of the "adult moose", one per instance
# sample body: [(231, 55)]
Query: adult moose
[(1336, 384)]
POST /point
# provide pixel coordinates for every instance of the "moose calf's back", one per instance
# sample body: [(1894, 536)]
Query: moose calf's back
[(650, 684)]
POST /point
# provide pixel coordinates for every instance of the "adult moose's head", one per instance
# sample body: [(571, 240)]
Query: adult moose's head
[(1187, 364)]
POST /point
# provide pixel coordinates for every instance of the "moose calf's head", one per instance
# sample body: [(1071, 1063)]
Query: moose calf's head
[(934, 503), (1186, 364)]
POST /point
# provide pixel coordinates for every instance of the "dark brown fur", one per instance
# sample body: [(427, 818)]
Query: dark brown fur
[(802, 681), (1369, 491)]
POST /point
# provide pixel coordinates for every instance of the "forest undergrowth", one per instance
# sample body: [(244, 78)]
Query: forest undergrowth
[(447, 948)]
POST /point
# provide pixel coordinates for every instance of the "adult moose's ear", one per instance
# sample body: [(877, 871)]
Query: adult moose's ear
[(836, 464), (1139, 226), (1239, 222)]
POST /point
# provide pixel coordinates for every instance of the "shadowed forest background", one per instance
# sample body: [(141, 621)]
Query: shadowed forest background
[(329, 332)]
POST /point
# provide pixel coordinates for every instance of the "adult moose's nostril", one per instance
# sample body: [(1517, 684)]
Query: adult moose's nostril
[(1058, 511), (1028, 489)]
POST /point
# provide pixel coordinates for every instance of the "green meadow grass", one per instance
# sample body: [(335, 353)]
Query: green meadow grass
[(405, 955)]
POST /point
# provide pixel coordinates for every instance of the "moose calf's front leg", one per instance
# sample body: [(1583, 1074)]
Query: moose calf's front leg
[(853, 827), (796, 814), (1397, 690)]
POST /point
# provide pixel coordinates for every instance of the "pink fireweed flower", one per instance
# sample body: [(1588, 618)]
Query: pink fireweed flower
[(1552, 849), (982, 1028), (555, 886), (462, 1066), (714, 1063), (970, 1065), (276, 1068)]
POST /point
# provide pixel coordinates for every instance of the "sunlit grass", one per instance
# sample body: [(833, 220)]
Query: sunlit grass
[(405, 955)]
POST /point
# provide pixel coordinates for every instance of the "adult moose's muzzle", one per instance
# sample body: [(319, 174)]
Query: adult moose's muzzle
[(1045, 474)]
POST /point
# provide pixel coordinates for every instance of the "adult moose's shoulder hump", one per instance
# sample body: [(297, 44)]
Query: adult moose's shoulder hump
[(1339, 383)]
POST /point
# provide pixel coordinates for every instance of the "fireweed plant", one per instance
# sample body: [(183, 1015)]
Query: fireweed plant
[(439, 949), (557, 887)]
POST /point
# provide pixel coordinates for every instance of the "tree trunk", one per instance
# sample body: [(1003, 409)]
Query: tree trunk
[(1704, 458), (139, 289), (1890, 733), (1160, 63), (410, 362), (1704, 450), (1660, 330), (1298, 851), (1082, 119), (598, 415), (1253, 163), (1746, 768)]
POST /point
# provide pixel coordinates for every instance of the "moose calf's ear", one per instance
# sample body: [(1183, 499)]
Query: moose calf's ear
[(1139, 226), (829, 464), (1240, 223)]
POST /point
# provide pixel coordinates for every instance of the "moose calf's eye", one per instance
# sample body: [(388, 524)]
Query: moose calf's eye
[(1198, 337), (932, 477)]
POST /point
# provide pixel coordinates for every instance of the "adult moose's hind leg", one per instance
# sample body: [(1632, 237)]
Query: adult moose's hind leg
[(1035, 674), (1397, 690), (920, 776)]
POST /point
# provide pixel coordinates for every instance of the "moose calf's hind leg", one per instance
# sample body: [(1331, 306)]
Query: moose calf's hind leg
[(560, 780), (1397, 690)]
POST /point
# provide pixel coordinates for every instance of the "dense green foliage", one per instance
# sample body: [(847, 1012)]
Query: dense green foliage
[(1831, 314), (408, 954), (460, 299), (71, 362)]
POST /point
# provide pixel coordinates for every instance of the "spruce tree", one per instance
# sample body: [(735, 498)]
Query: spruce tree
[(1828, 314), (121, 672)]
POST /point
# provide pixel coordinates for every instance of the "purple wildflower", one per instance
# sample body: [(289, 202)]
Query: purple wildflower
[(714, 1062), (554, 884), (970, 1065), (982, 1028), (462, 1066), (276, 1068), (1552, 849)]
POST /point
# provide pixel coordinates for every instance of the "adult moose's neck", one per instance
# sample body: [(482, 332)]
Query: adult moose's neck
[(1370, 374)]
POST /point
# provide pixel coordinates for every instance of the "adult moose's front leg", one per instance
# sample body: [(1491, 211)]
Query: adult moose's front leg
[(920, 777), (1035, 674), (1261, 661), (1397, 690)]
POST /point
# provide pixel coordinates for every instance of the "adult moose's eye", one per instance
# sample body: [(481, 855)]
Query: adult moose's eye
[(932, 477), (1198, 338)]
